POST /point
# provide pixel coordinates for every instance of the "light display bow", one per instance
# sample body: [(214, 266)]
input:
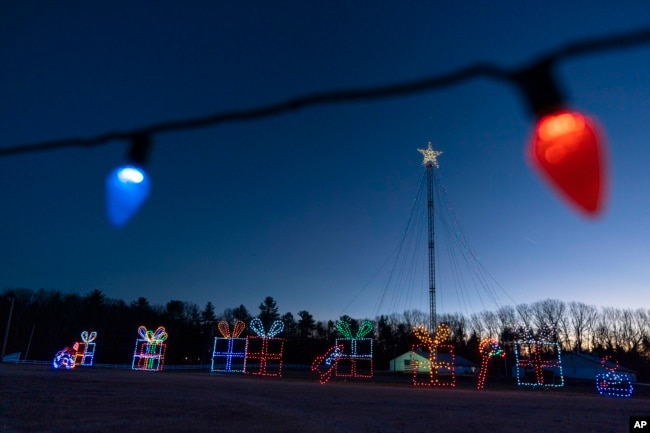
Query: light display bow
[(540, 352), (88, 337), (236, 331), (613, 383), (158, 336), (488, 348), (344, 328), (443, 333), (258, 327), (326, 364)]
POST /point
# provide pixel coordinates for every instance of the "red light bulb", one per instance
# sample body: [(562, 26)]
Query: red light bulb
[(568, 152)]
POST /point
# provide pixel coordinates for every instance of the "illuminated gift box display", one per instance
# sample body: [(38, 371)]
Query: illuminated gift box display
[(149, 353), (85, 349), (613, 383), (81, 353), (538, 358), (326, 364), (264, 352), (489, 347), (229, 353), (356, 357), (441, 357)]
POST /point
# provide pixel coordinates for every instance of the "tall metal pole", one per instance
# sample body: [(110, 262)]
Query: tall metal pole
[(430, 162), (432, 252)]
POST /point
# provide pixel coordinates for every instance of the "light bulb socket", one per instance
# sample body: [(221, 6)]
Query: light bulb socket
[(139, 151), (540, 88)]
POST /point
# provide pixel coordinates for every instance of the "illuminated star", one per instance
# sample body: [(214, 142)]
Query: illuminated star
[(430, 156)]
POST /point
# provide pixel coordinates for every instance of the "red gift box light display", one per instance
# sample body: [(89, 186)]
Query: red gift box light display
[(263, 354)]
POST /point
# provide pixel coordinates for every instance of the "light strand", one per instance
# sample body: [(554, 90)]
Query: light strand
[(587, 46)]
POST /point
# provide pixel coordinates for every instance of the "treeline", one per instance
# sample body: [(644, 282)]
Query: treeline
[(45, 321)]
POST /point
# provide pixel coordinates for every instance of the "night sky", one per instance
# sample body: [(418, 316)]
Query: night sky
[(308, 206)]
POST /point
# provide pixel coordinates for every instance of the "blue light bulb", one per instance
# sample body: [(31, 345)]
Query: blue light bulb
[(127, 187)]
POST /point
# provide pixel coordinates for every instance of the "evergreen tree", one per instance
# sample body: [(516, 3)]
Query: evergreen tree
[(208, 318), (290, 326), (306, 324), (268, 312), (241, 313)]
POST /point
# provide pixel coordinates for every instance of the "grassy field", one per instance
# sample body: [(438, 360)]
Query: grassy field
[(40, 399)]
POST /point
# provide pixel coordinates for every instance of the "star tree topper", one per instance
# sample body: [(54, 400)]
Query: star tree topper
[(430, 156)]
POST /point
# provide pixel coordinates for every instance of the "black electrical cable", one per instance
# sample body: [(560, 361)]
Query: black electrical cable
[(587, 46)]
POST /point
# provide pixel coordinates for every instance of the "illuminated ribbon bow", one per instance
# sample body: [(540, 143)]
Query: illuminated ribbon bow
[(88, 337), (442, 334), (258, 327), (523, 333), (546, 334), (344, 328), (236, 331), (153, 337)]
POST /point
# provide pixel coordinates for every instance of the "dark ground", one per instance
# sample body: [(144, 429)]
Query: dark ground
[(40, 399)]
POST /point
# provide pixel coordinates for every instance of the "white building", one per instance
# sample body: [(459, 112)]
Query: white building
[(404, 363)]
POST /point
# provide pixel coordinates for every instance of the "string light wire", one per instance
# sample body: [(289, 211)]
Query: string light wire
[(516, 76)]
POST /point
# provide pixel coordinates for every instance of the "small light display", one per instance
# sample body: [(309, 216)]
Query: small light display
[(441, 372), (613, 383), (538, 358), (149, 353), (489, 347), (229, 353), (263, 354), (81, 353), (356, 358), (326, 364)]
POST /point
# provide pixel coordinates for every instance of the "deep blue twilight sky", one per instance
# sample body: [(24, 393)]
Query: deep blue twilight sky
[(306, 207)]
